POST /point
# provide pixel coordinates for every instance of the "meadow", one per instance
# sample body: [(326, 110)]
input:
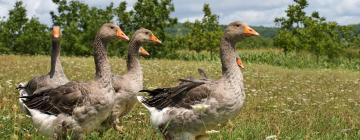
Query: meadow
[(282, 102)]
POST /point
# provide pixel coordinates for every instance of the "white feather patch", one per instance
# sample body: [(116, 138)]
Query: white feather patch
[(44, 122), (157, 117)]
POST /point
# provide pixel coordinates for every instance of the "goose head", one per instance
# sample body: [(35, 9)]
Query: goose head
[(238, 30), (143, 52), (110, 30), (56, 33), (143, 35)]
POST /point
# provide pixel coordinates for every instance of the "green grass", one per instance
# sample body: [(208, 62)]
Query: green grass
[(285, 103)]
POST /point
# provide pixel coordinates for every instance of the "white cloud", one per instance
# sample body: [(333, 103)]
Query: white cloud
[(254, 12), (254, 17)]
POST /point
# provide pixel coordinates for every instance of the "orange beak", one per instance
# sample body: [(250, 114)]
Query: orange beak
[(143, 52), (248, 31), (154, 39), (120, 34), (56, 31), (239, 63)]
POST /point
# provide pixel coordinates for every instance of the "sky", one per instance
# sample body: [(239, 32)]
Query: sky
[(254, 12)]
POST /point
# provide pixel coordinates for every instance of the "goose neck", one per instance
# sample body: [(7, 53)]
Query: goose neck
[(133, 63), (103, 69), (228, 59), (56, 67)]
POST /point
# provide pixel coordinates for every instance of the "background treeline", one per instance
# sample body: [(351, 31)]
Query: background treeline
[(297, 35)]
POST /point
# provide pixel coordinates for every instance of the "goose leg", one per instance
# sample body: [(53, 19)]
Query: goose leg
[(118, 127), (115, 121)]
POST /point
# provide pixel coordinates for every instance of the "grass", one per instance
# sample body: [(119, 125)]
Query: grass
[(281, 103)]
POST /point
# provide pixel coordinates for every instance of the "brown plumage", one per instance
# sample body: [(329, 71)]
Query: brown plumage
[(174, 96)]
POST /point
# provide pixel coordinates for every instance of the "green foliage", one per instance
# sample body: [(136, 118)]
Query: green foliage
[(256, 42), (300, 32), (150, 14), (267, 32), (204, 35), (80, 24), (34, 39), (21, 35), (356, 41), (356, 29)]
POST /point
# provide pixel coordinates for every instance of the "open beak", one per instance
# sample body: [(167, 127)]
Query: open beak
[(154, 39), (143, 52), (120, 34), (56, 31), (248, 31), (239, 63)]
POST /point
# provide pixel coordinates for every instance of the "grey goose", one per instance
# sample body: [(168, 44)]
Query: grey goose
[(128, 85), (186, 111), (77, 107), (55, 77)]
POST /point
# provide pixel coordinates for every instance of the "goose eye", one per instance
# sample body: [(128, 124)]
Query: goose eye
[(112, 27), (237, 25), (147, 33)]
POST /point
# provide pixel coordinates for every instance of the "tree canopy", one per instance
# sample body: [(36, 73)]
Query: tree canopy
[(297, 31), (302, 32)]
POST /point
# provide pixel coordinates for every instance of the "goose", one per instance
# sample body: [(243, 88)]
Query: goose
[(55, 77), (143, 52), (128, 85), (77, 108), (186, 111)]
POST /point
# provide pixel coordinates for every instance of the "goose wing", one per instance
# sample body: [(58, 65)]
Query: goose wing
[(184, 95), (62, 99)]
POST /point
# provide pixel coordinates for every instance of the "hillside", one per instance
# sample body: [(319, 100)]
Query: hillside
[(179, 29), (267, 32)]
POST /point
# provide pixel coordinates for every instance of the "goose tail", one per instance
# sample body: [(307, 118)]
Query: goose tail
[(157, 116)]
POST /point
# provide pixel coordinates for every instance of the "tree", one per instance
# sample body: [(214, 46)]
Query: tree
[(12, 27), (204, 34), (299, 32), (151, 14), (80, 24), (3, 48), (21, 35), (35, 39)]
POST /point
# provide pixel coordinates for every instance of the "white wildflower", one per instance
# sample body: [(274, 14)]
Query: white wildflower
[(141, 113)]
